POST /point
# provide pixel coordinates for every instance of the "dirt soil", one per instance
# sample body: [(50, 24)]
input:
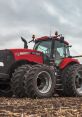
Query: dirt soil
[(54, 107)]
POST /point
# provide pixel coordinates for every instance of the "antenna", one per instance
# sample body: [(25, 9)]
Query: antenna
[(50, 31)]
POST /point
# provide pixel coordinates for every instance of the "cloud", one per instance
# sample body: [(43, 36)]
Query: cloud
[(26, 17)]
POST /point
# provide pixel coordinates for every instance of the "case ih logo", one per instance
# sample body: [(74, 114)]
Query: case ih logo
[(25, 53), (22, 53)]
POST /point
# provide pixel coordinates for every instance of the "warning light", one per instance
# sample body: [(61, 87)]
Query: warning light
[(33, 36), (56, 33)]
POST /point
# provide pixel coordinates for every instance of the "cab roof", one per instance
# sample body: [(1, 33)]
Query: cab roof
[(48, 38)]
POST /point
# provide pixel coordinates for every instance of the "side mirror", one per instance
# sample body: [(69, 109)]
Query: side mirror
[(62, 39)]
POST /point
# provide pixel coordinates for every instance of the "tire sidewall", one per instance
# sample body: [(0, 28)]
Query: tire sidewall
[(48, 94)]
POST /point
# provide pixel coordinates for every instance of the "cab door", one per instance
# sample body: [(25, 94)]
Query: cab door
[(59, 52)]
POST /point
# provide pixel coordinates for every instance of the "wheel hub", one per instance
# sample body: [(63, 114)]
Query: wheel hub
[(44, 82)]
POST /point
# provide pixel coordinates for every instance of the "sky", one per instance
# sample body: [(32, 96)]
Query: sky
[(40, 17)]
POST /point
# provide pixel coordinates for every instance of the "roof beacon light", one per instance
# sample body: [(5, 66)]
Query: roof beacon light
[(33, 36), (56, 33)]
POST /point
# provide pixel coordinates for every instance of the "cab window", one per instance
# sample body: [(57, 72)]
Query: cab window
[(43, 46)]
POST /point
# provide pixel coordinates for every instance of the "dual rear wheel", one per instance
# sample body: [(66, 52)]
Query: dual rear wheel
[(37, 81)]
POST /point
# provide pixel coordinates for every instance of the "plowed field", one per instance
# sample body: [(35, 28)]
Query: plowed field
[(53, 107)]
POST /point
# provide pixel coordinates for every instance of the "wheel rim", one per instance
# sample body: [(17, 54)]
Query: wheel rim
[(78, 82), (44, 82)]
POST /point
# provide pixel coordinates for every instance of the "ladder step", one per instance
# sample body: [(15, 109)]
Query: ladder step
[(58, 84), (58, 79), (59, 89)]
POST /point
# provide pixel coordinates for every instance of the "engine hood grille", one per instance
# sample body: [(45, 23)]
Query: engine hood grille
[(7, 58)]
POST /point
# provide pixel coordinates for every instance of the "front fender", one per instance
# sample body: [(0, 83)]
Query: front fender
[(67, 61)]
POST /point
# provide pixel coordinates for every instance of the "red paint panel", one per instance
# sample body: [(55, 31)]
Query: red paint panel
[(29, 57), (67, 61)]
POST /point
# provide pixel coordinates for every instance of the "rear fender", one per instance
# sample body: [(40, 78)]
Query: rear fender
[(67, 61), (17, 64)]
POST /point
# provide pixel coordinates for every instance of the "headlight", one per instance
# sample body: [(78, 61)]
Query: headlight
[(1, 64)]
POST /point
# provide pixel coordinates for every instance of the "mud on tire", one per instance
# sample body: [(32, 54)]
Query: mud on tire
[(39, 82)]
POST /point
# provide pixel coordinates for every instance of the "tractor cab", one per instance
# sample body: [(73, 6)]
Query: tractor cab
[(53, 48)]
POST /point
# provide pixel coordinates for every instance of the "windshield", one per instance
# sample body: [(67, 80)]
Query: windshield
[(43, 46)]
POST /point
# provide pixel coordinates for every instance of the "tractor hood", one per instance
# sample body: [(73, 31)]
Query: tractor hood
[(28, 55)]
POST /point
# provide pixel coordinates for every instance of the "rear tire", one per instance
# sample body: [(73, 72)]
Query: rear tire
[(17, 81), (40, 82), (7, 92), (72, 80)]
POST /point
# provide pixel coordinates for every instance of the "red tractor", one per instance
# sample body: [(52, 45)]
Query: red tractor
[(41, 72)]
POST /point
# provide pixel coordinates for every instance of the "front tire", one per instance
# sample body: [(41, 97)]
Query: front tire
[(40, 82), (72, 80)]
